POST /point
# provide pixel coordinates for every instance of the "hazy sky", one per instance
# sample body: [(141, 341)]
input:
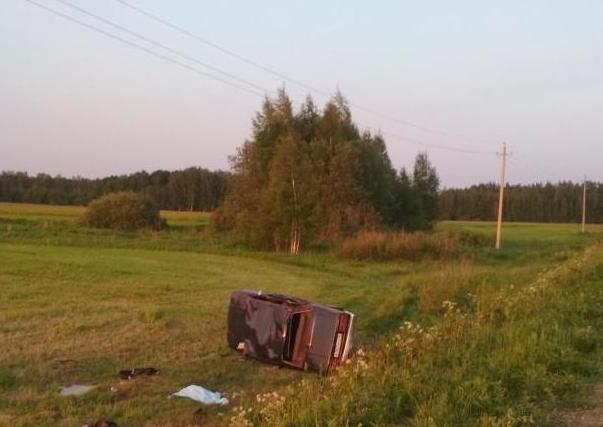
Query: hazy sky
[(73, 101)]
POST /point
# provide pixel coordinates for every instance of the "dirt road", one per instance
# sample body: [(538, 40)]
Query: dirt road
[(590, 417)]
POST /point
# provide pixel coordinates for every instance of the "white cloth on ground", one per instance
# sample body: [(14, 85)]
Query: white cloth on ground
[(76, 390), (203, 395)]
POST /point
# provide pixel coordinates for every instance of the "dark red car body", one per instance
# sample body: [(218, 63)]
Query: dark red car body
[(289, 331)]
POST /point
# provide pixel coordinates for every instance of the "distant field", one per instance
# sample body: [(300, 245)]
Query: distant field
[(73, 213), (78, 305), (527, 229), (186, 218), (40, 212)]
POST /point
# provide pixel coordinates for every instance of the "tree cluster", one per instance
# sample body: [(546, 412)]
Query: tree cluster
[(311, 177), (188, 189), (560, 202)]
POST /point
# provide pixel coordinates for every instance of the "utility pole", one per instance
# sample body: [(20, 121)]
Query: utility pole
[(584, 205), (501, 195)]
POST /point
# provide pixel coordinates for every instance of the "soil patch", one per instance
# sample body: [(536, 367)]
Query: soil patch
[(592, 416)]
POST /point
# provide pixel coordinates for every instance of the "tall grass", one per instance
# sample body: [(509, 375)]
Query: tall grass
[(385, 246), (450, 282)]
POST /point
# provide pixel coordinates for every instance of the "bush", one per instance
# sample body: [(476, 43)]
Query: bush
[(123, 211), (384, 246)]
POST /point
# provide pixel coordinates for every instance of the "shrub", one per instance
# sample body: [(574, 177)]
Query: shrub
[(384, 246), (124, 211)]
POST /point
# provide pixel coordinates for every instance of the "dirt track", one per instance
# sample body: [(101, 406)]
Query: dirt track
[(590, 417)]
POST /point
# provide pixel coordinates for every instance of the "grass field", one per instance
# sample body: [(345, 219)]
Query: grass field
[(78, 305)]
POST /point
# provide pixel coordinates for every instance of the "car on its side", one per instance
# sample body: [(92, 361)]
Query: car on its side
[(289, 331)]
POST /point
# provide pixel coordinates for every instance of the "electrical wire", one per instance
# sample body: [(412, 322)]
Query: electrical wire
[(203, 73), (436, 146), (286, 77), (161, 45), (220, 48), (144, 49)]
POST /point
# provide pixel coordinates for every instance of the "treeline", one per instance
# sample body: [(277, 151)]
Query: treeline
[(188, 189), (311, 177), (560, 202)]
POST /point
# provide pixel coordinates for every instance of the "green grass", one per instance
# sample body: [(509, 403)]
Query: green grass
[(78, 305)]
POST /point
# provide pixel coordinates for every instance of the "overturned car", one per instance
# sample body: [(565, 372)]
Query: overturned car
[(289, 331)]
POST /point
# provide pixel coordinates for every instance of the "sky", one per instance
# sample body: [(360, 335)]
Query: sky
[(467, 75)]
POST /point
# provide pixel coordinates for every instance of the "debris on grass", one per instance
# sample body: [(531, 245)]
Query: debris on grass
[(128, 374), (76, 390), (203, 395)]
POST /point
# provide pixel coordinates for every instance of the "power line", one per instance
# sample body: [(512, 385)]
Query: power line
[(220, 48), (283, 76), (144, 49), (203, 73), (437, 146), (161, 45), (412, 125)]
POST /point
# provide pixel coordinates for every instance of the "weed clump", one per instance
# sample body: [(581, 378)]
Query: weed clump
[(386, 246), (452, 282), (124, 210)]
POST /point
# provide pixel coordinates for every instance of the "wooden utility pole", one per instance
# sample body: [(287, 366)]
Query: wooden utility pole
[(295, 233), (584, 205), (501, 195)]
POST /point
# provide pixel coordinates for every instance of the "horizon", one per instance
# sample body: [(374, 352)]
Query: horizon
[(442, 187), (77, 103)]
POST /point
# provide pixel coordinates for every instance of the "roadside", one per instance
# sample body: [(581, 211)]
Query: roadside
[(511, 356), (590, 416)]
